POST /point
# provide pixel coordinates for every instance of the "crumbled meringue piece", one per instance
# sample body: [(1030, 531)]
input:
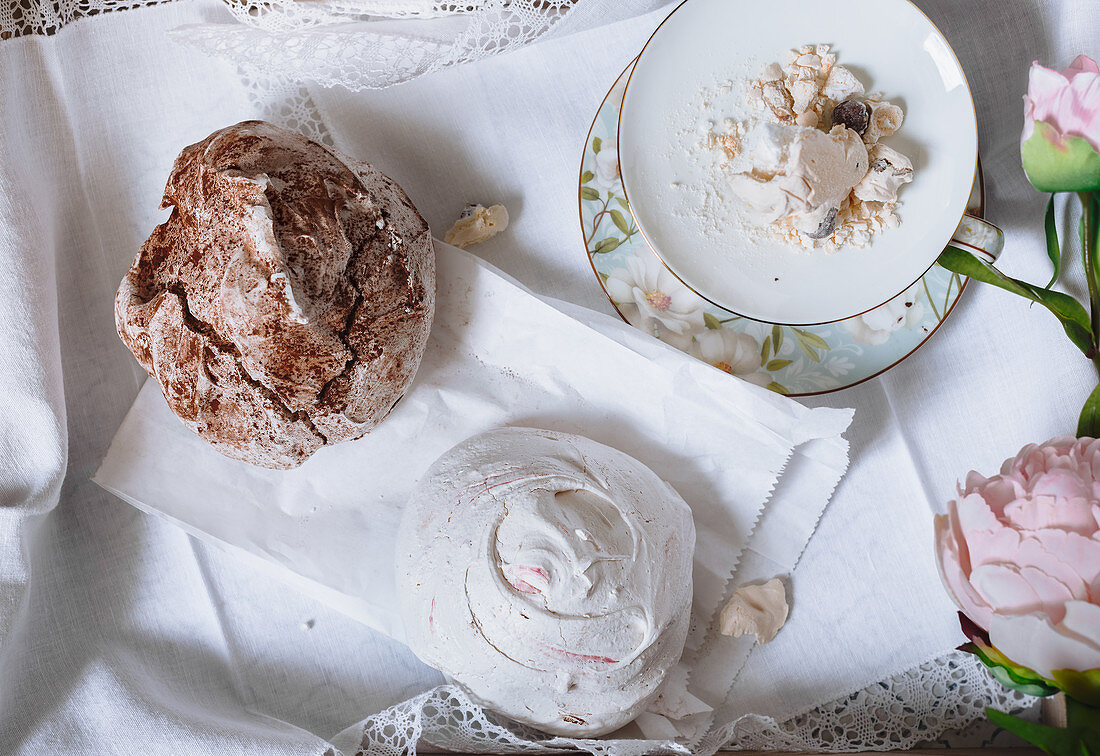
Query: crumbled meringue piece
[(804, 91), (757, 609), (886, 118), (841, 84), (778, 99), (476, 224), (772, 72), (889, 171)]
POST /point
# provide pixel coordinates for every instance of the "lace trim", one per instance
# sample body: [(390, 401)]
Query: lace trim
[(23, 18), (940, 703), (327, 42)]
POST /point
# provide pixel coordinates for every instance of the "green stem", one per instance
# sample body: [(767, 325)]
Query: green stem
[(1090, 230)]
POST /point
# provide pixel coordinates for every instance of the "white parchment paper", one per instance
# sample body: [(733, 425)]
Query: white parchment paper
[(498, 355)]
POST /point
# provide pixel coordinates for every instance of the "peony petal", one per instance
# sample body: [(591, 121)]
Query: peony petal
[(1083, 620), (1002, 587), (990, 546), (1060, 482), (1062, 567), (974, 481), (1081, 64), (959, 538), (1044, 89), (1075, 549), (999, 492), (1053, 593), (954, 578), (1050, 512), (1085, 120), (1033, 641), (975, 514)]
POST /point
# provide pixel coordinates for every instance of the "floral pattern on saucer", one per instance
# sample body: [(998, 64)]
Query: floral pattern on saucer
[(791, 360)]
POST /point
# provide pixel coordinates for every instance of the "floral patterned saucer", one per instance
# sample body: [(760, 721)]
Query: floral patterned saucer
[(798, 361)]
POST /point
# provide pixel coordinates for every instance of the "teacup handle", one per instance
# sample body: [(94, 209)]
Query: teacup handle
[(979, 237)]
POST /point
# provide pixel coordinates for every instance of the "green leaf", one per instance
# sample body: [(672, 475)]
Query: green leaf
[(623, 203), (1008, 673), (620, 222), (588, 193), (1054, 252), (774, 365), (1088, 424), (1007, 679), (603, 276), (587, 176), (766, 350), (778, 388), (711, 321), (1070, 313), (606, 245), (777, 337), (812, 339), (597, 143), (1090, 243), (1072, 741)]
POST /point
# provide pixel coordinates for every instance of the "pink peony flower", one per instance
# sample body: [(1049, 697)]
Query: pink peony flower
[(1061, 138), (1020, 555)]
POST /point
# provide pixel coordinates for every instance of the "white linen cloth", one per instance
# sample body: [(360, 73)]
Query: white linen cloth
[(119, 634)]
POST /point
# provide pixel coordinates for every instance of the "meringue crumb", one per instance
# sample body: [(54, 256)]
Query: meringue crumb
[(476, 224), (757, 609)]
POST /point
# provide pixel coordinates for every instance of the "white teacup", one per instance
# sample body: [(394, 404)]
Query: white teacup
[(893, 48)]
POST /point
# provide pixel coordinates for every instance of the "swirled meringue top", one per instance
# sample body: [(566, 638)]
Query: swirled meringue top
[(549, 575)]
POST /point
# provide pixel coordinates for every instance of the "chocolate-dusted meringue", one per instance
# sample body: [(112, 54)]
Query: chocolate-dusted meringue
[(286, 302)]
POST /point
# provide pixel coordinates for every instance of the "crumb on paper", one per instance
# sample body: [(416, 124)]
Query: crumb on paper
[(476, 224), (760, 610)]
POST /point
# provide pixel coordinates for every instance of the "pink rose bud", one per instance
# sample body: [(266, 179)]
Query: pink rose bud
[(1060, 147), (1020, 554)]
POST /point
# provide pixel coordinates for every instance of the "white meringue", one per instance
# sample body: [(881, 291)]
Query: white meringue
[(889, 170), (796, 174), (549, 575)]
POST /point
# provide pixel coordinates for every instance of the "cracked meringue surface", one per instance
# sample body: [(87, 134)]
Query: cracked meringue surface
[(286, 302), (549, 575)]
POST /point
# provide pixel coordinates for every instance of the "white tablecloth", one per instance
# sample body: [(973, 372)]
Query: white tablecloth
[(119, 633)]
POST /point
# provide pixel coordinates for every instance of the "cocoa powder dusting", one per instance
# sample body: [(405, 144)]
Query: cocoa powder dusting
[(287, 300)]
